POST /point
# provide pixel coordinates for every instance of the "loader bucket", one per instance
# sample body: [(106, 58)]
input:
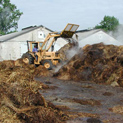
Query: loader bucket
[(69, 30)]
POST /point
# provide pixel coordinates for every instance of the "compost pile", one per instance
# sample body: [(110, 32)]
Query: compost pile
[(98, 63), (20, 100)]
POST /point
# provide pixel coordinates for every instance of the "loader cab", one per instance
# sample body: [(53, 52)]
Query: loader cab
[(31, 45)]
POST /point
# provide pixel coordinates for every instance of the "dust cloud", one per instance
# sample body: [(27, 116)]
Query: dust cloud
[(58, 67), (68, 54), (118, 34)]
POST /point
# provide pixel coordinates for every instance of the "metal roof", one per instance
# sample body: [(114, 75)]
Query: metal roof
[(10, 36), (86, 33), (82, 34)]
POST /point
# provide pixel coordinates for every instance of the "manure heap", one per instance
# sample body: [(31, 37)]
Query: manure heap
[(20, 100), (98, 63)]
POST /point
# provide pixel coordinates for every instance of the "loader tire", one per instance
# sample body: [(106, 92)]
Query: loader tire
[(28, 58), (47, 64)]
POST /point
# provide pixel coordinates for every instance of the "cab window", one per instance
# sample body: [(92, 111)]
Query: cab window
[(40, 44)]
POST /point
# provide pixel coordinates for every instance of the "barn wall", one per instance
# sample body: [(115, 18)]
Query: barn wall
[(60, 42), (1, 52), (10, 51), (17, 46)]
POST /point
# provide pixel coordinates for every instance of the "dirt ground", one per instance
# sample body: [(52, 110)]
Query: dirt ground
[(85, 100), (88, 88)]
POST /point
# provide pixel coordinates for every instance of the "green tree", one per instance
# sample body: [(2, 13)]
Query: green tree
[(108, 23), (9, 17)]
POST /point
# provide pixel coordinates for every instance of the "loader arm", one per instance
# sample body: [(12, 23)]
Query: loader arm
[(49, 36), (66, 33)]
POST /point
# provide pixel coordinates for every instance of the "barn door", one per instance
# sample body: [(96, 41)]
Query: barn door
[(23, 48)]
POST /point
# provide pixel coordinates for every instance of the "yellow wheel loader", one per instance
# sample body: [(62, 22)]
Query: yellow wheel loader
[(43, 56)]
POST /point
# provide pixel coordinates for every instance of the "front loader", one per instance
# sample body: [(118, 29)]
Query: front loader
[(44, 56)]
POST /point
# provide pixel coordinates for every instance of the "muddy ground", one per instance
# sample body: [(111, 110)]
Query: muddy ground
[(85, 99)]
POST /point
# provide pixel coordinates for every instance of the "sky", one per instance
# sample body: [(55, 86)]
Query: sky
[(55, 14)]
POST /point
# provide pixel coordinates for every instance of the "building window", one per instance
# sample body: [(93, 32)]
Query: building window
[(40, 34)]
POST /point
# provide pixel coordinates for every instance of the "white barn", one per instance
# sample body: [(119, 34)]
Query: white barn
[(95, 36), (12, 46)]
